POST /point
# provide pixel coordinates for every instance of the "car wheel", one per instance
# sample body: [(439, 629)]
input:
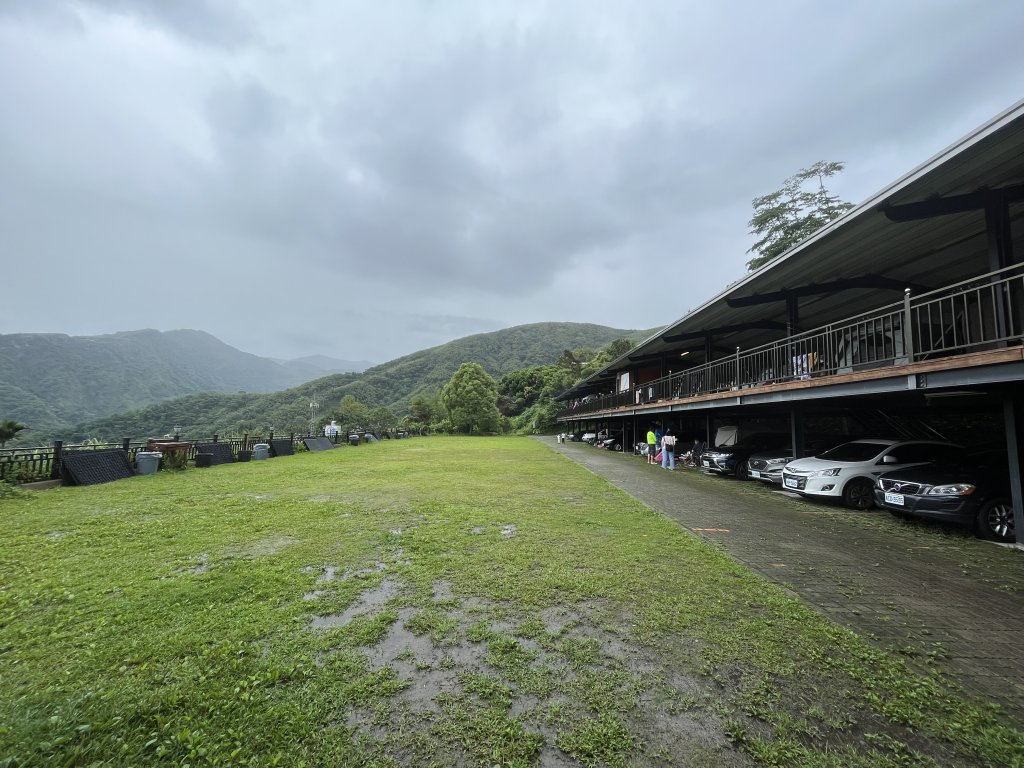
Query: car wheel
[(859, 493), (742, 473), (618, 447), (995, 521)]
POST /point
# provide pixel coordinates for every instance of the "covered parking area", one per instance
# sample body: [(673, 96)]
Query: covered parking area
[(908, 312)]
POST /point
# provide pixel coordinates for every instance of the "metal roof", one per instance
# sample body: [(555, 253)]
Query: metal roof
[(863, 242)]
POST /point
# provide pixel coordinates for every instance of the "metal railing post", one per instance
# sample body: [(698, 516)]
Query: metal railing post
[(58, 457), (908, 329)]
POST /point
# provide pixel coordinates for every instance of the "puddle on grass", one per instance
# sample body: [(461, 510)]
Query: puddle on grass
[(674, 711), (442, 591), (270, 545), (508, 531), (203, 563), (369, 600), (430, 670)]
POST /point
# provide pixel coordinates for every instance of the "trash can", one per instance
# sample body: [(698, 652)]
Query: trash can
[(204, 459), (147, 462), (353, 439), (261, 451), (244, 455)]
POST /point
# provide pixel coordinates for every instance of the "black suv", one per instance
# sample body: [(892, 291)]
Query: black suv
[(974, 492)]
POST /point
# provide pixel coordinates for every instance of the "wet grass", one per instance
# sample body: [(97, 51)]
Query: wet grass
[(430, 602)]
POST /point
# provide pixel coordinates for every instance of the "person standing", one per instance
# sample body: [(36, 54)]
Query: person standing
[(652, 444), (668, 450)]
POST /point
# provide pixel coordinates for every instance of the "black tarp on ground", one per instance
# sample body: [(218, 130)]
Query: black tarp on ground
[(318, 443), (221, 452), (281, 448), (94, 467)]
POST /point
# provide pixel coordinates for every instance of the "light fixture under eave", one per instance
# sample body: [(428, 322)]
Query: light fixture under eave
[(954, 393), (684, 354)]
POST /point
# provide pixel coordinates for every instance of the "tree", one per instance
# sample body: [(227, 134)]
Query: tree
[(470, 398), (790, 215), (351, 413), (9, 430), (381, 420), (422, 408), (613, 351), (573, 360)]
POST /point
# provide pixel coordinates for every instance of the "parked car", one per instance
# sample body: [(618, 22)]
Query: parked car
[(589, 437), (974, 491), (767, 466), (611, 442), (849, 471), (732, 459)]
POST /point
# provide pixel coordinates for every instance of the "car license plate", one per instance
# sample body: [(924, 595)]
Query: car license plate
[(791, 482), (755, 474), (706, 463), (894, 498)]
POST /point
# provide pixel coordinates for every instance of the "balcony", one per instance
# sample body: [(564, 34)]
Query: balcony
[(972, 323)]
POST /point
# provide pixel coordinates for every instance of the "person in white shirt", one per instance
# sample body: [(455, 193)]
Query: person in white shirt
[(668, 450)]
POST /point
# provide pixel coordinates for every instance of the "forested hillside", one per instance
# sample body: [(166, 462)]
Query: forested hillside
[(391, 384), (52, 381)]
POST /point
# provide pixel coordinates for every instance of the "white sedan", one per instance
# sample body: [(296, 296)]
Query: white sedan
[(848, 471)]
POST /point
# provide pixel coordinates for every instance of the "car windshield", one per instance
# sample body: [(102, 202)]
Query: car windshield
[(854, 451)]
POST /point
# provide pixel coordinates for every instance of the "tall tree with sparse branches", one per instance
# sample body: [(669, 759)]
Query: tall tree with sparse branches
[(790, 215), (9, 429)]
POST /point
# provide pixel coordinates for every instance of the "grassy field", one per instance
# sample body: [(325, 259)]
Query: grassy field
[(436, 601)]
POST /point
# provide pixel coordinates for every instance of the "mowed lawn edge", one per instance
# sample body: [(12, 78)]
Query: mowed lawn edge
[(429, 601)]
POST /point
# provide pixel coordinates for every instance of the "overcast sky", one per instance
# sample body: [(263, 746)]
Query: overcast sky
[(367, 179)]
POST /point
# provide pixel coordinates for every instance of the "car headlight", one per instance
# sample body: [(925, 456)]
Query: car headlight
[(834, 472), (955, 489), (777, 462)]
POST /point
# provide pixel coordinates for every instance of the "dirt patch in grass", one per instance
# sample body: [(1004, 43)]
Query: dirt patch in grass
[(463, 658)]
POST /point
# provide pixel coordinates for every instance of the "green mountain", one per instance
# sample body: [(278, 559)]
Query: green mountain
[(52, 381), (391, 384)]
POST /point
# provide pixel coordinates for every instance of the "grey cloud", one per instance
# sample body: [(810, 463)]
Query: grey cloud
[(404, 174), (206, 22)]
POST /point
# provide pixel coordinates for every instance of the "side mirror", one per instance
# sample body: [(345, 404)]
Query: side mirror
[(890, 459)]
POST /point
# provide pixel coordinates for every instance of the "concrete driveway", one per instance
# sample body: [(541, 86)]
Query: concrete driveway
[(930, 592)]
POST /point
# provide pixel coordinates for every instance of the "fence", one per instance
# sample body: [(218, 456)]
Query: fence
[(980, 313), (25, 465)]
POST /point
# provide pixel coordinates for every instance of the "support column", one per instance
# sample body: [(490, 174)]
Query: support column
[(1013, 418), (796, 431), (1000, 254)]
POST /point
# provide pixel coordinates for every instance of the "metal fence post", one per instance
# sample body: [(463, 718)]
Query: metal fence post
[(58, 456), (908, 330)]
